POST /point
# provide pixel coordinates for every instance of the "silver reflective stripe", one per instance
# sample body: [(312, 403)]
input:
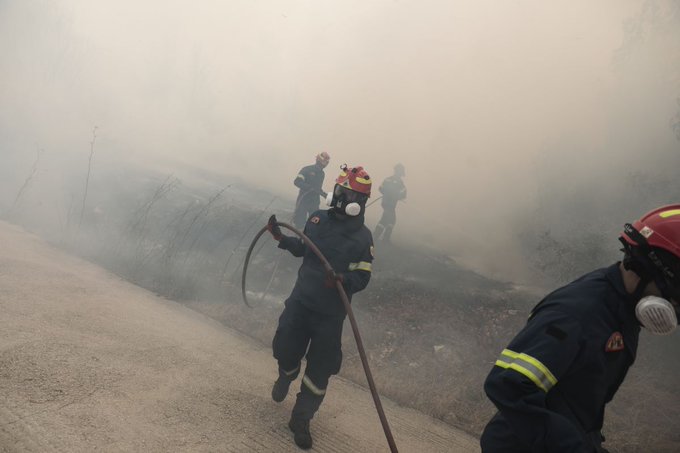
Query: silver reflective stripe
[(310, 385), (301, 176), (361, 266), (290, 373), (528, 366)]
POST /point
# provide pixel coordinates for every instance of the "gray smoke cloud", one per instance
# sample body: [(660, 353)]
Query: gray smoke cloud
[(501, 112)]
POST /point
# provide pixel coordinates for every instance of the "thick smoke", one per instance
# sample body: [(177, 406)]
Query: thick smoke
[(512, 118)]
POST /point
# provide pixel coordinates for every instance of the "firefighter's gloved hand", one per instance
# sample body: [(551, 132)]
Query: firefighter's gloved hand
[(332, 277), (274, 229)]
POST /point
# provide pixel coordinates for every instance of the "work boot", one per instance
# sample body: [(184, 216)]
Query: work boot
[(302, 436), (280, 389)]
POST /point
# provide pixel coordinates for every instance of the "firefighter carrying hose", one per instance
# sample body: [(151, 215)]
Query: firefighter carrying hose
[(552, 382), (314, 314), (310, 180)]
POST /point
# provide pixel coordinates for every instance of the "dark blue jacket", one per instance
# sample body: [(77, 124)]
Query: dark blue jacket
[(393, 190), (310, 180), (554, 379), (347, 245)]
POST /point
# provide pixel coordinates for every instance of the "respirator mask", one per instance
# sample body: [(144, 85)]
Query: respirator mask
[(346, 201), (657, 315)]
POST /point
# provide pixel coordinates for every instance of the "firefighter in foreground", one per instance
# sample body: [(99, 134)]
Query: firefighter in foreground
[(310, 180), (554, 379), (393, 191), (314, 313)]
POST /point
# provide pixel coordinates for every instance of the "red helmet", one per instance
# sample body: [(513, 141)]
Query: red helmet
[(660, 228), (652, 246), (355, 179)]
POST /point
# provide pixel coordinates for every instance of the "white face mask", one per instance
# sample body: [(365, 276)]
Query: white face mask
[(656, 315), (353, 209)]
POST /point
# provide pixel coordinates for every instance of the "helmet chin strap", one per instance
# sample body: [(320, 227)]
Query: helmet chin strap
[(641, 264)]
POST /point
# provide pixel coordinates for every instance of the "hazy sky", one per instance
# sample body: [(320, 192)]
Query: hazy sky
[(483, 101)]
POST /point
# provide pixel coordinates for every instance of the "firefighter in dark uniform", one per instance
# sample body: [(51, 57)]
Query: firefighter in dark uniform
[(552, 382), (310, 180), (313, 316), (393, 190)]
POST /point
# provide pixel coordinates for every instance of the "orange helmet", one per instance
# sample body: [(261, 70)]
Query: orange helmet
[(323, 158), (355, 179)]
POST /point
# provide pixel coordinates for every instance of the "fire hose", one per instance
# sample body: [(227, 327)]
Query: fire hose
[(350, 314), (377, 199)]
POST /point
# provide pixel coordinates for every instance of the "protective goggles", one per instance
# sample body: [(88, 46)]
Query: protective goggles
[(348, 195)]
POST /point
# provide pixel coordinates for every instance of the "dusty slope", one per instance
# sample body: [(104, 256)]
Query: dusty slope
[(90, 362)]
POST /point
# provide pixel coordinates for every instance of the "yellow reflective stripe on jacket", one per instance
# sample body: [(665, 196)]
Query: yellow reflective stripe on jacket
[(361, 266), (301, 176), (529, 367), (310, 385)]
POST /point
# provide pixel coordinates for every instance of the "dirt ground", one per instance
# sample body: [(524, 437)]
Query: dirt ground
[(90, 362)]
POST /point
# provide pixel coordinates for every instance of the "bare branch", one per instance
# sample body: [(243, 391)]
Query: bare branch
[(89, 170)]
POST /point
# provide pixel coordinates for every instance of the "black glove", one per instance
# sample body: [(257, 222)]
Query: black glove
[(332, 277), (274, 229), (323, 194)]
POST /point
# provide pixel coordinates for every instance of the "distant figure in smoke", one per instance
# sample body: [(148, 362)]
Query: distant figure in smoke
[(552, 382), (311, 322), (393, 190), (310, 180)]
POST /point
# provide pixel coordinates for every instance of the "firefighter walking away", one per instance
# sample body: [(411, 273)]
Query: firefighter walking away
[(310, 181), (552, 382), (312, 320), (393, 191)]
